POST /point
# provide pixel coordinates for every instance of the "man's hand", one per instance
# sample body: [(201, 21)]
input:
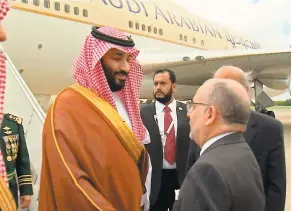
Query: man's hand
[(25, 201)]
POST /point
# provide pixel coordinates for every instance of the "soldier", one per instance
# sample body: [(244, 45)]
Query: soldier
[(15, 153)]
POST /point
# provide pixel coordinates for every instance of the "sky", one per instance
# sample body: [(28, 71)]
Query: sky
[(266, 20)]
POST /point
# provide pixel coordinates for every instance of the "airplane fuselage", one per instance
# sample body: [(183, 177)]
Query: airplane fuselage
[(44, 37)]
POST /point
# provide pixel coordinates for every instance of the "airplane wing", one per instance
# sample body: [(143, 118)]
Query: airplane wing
[(272, 69)]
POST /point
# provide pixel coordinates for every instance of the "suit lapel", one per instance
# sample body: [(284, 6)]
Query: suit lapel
[(251, 131), (180, 117), (154, 119)]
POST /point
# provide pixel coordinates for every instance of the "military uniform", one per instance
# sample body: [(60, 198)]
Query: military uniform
[(13, 147)]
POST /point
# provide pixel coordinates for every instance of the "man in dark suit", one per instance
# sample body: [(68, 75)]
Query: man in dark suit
[(168, 126), (264, 135), (226, 177)]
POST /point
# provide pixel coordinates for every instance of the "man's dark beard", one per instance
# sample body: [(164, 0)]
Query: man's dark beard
[(110, 77), (166, 99)]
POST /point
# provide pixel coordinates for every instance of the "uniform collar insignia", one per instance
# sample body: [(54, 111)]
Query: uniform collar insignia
[(6, 128)]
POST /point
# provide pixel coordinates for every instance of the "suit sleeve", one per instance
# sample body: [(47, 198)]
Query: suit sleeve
[(276, 185), (23, 166), (193, 155), (203, 189)]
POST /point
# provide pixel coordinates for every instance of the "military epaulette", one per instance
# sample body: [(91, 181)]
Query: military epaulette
[(18, 120)]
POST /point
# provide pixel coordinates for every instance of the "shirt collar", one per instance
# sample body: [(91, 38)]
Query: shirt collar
[(159, 106), (213, 140)]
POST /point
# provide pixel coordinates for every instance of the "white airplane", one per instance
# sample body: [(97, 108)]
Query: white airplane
[(45, 36)]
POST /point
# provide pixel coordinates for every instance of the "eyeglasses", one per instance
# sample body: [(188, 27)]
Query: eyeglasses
[(190, 105)]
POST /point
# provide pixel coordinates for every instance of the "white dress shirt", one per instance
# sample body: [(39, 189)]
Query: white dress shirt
[(212, 141), (159, 118)]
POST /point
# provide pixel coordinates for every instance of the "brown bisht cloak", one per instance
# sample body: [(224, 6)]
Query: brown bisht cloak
[(91, 158)]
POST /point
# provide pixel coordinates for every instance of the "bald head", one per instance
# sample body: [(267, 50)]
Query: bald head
[(230, 84), (229, 97), (219, 106), (233, 73)]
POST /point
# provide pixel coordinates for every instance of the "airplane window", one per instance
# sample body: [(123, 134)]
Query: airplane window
[(185, 38), (47, 4), (180, 37), (85, 13), (194, 40), (67, 8), (155, 30), (36, 2), (202, 43), (143, 27), (149, 29), (131, 24), (137, 25), (76, 10), (24, 1), (160, 32), (57, 6)]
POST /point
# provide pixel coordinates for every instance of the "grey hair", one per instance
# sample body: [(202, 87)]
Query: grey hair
[(232, 108), (247, 79)]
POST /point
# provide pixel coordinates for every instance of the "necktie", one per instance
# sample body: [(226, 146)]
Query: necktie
[(169, 148)]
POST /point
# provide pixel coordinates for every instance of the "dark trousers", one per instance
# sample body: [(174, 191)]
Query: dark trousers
[(166, 196)]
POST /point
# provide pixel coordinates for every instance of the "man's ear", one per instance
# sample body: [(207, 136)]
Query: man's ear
[(174, 87), (211, 114)]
